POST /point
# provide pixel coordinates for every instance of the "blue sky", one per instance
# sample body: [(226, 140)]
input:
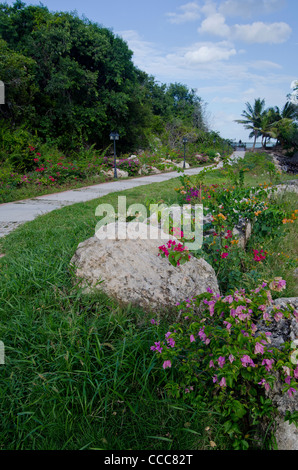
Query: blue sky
[(230, 51)]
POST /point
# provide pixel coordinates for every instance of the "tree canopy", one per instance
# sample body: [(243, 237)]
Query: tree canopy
[(74, 81)]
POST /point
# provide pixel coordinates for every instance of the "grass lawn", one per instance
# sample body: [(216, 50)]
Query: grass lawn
[(79, 373)]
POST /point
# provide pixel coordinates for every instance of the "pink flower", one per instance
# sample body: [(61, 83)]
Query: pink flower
[(259, 348), (214, 378), (266, 384), (211, 364), (266, 316), (253, 328), (202, 335), (231, 358), (157, 347), (291, 391), (223, 383), (221, 361), (278, 316), (167, 364), (192, 338), (224, 255), (278, 284), (268, 363), (247, 361), (228, 299)]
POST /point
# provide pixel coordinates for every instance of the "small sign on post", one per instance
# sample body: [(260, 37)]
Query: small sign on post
[(2, 93)]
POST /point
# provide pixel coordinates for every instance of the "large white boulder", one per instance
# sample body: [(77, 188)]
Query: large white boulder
[(131, 271)]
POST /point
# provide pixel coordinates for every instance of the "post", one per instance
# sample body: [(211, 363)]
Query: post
[(184, 143), (115, 167), (114, 136)]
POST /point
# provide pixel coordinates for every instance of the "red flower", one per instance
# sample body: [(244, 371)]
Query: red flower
[(224, 255)]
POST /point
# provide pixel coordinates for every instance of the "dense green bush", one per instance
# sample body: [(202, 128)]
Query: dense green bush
[(217, 355)]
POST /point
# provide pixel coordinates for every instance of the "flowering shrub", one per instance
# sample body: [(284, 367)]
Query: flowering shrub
[(131, 166), (48, 171), (218, 356), (176, 253), (259, 255)]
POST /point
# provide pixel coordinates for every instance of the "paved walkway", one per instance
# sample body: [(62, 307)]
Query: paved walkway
[(13, 214)]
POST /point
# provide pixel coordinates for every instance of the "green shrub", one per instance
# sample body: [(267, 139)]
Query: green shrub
[(216, 354), (15, 147)]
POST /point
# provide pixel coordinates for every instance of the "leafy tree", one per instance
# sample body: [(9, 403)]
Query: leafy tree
[(72, 82), (18, 73)]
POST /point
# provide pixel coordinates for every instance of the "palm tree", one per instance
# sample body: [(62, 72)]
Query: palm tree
[(269, 118), (253, 119), (289, 111), (276, 121)]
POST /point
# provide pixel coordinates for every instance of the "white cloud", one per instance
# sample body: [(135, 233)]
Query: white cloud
[(249, 8), (264, 65), (209, 52), (259, 32), (141, 49), (225, 99), (253, 33), (215, 24), (189, 12)]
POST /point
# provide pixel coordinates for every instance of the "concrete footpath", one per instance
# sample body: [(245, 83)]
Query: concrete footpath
[(13, 214)]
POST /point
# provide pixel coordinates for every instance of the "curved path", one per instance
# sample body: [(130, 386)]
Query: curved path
[(13, 214)]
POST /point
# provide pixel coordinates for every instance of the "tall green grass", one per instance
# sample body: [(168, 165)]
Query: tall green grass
[(79, 373)]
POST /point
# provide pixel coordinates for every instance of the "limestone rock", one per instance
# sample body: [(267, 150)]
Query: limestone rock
[(147, 169), (180, 165), (144, 170), (286, 434), (120, 173), (154, 170), (133, 273)]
